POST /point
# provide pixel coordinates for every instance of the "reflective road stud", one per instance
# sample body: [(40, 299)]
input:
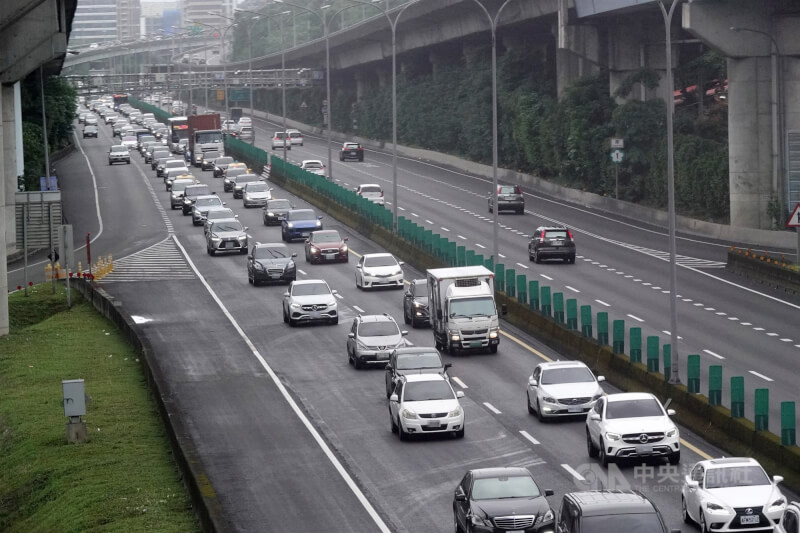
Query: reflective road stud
[(762, 410), (693, 373), (715, 385), (636, 345), (788, 424), (737, 397)]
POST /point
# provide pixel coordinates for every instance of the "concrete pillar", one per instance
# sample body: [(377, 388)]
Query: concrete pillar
[(578, 57), (5, 209), (10, 95), (361, 84)]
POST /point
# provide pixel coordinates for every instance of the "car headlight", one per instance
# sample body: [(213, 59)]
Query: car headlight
[(672, 432), (408, 413), (343, 248), (777, 505), (712, 507), (548, 399), (270, 214), (259, 266), (546, 517), (362, 346), (290, 266), (290, 225), (319, 223), (242, 237), (478, 521), (313, 249), (294, 306), (494, 333), (455, 412), (612, 436), (417, 305)]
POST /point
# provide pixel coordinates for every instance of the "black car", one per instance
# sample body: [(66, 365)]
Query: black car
[(495, 500), (276, 210), (241, 180), (221, 164), (415, 303), (230, 177), (158, 155), (190, 195), (208, 160), (351, 151), (552, 243), (609, 510), (413, 360), (271, 262)]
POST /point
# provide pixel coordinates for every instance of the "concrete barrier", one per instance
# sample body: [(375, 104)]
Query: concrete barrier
[(756, 267)]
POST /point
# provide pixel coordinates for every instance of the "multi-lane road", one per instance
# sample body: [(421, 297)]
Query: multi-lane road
[(290, 436)]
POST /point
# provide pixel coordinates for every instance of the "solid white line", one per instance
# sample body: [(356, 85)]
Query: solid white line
[(573, 472), (480, 245), (545, 276), (523, 266), (636, 318), (297, 411), (459, 382), (357, 308), (573, 289), (601, 302), (492, 408), (529, 437), (712, 354), (762, 376)]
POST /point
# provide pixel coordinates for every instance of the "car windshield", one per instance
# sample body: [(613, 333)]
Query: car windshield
[(471, 307), (195, 191), (90, 128), (380, 261), (210, 155), (270, 252), (495, 488), (233, 172), (227, 225), (350, 146), (325, 236), (378, 329), (507, 190), (634, 408), (421, 391), (371, 190), (176, 163), (280, 204), (295, 134), (208, 137), (629, 523), (257, 187), (129, 138), (309, 289), (312, 164), (119, 148), (159, 155), (301, 214), (554, 376), (418, 360), (179, 187), (736, 476), (242, 179), (224, 161), (215, 214), (279, 135), (203, 202)]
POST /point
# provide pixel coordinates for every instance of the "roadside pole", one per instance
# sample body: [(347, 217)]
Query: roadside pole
[(617, 155), (794, 222)]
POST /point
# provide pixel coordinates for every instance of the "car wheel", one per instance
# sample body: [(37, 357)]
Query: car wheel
[(358, 285), (285, 317), (539, 414), (406, 318), (335, 320), (685, 512), (308, 259), (356, 363), (572, 260), (528, 403), (521, 211), (590, 447), (456, 527), (703, 526), (292, 323), (212, 252), (604, 458), (674, 458), (460, 433), (283, 236), (394, 424), (250, 279), (493, 348), (536, 258), (401, 433)]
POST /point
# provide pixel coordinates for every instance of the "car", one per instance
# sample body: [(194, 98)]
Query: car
[(415, 303), (509, 198), (171, 174), (226, 236), (161, 164), (413, 360), (90, 131), (82, 118), (276, 210), (90, 120), (157, 156), (299, 223), (326, 245), (609, 510), (129, 141), (562, 388), (110, 118), (148, 148), (315, 166), (202, 205), (295, 137), (230, 177), (217, 213), (351, 150), (500, 499), (371, 340), (190, 194), (379, 270), (371, 191), (228, 126), (207, 163), (310, 300), (279, 140), (271, 261), (118, 154), (631, 425), (425, 404), (176, 191), (243, 179), (732, 494), (221, 164), (790, 522), (245, 133), (255, 194), (143, 140), (246, 121), (553, 242)]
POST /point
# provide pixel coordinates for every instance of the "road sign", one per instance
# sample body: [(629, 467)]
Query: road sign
[(238, 95), (617, 156), (303, 105), (794, 219), (220, 95), (617, 143)]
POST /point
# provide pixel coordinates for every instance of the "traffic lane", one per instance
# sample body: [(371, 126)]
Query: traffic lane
[(263, 465)]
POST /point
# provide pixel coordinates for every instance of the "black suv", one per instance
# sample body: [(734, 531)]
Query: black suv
[(509, 198), (552, 243), (609, 510), (413, 360), (415, 303)]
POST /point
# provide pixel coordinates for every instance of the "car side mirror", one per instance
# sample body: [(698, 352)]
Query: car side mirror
[(358, 267), (460, 394), (294, 254), (319, 217), (235, 216), (777, 479), (404, 333), (670, 412), (286, 294), (401, 263), (594, 416), (448, 365), (393, 398), (224, 203), (345, 239), (352, 335), (334, 291), (601, 378), (691, 483), (246, 228), (548, 492), (532, 382), (461, 497)]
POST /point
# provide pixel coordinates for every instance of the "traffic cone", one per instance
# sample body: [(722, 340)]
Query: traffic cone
[(48, 272)]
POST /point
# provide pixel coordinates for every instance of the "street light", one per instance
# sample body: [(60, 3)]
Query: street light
[(250, 54)]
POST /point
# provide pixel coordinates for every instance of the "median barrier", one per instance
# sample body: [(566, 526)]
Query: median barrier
[(778, 272)]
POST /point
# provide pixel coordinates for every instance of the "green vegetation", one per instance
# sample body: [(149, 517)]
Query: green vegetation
[(124, 478)]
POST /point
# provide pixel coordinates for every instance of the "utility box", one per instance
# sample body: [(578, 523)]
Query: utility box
[(74, 398)]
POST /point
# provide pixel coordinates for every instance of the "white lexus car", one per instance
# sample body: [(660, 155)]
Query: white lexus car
[(425, 403), (631, 425), (562, 388), (732, 494)]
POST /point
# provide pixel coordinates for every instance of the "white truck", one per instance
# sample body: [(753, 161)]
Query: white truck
[(462, 308)]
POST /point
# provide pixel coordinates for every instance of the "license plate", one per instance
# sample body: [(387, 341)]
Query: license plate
[(475, 344), (644, 449), (304, 234), (330, 256), (557, 243), (437, 424), (382, 356), (314, 314), (749, 519), (275, 276), (574, 409)]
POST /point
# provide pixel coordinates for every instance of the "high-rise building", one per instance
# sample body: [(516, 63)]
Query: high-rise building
[(198, 10), (128, 14), (95, 21), (155, 15)]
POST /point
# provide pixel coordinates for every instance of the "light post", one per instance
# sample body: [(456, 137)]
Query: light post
[(673, 267), (250, 54), (206, 56)]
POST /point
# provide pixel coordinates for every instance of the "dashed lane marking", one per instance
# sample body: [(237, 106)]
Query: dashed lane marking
[(762, 376), (712, 354), (601, 302), (574, 473), (492, 408), (529, 437), (459, 382), (636, 318)]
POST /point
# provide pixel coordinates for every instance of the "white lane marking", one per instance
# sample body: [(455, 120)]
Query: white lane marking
[(698, 304), (573, 472), (772, 334), (529, 437), (667, 332), (601, 302), (414, 215), (492, 408), (357, 308), (687, 300), (787, 340), (721, 313), (545, 276), (709, 309), (297, 411), (762, 376), (797, 345), (523, 266), (573, 289), (628, 276), (733, 318), (401, 208), (758, 329), (339, 296), (636, 318), (480, 245), (444, 229), (646, 284), (461, 237), (746, 323), (459, 382), (501, 255), (712, 354), (303, 273), (429, 221)]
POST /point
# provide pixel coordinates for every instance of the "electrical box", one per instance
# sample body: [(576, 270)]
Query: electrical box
[(74, 397)]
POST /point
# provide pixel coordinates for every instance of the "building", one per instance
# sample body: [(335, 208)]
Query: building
[(197, 10), (128, 14), (95, 21), (154, 15)]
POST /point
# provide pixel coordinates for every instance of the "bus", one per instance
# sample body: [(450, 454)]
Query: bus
[(120, 99), (178, 131)]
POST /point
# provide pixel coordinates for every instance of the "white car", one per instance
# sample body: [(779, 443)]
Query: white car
[(631, 424), (279, 140), (310, 300), (256, 194), (379, 270), (423, 404), (371, 191), (562, 388), (315, 166), (245, 121), (732, 494), (295, 137), (790, 523), (130, 141)]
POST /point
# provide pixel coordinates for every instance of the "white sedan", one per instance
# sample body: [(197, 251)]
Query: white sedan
[(379, 270), (562, 388), (732, 494), (425, 403)]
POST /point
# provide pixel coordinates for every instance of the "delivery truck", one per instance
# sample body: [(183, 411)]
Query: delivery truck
[(205, 134)]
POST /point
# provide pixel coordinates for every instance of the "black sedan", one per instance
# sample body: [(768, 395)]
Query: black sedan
[(415, 303), (271, 262), (495, 500), (276, 210)]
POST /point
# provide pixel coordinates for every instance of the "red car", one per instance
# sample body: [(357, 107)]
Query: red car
[(326, 245)]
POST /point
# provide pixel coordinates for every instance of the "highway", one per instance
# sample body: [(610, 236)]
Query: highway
[(288, 433)]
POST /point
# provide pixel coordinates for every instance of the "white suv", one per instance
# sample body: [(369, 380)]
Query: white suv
[(310, 300), (562, 388), (631, 424), (425, 403)]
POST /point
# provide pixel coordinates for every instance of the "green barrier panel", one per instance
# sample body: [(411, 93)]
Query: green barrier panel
[(586, 320), (652, 353), (619, 336), (762, 409), (489, 264), (428, 239), (693, 373), (788, 424), (667, 353), (511, 278), (737, 397), (602, 328), (452, 254), (470, 260), (636, 345), (499, 277), (533, 295), (478, 260), (546, 301), (572, 314), (715, 385), (558, 307), (522, 288)]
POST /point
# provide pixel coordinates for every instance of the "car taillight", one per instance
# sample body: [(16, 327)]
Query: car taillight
[(381, 194), (519, 191), (541, 239), (569, 234)]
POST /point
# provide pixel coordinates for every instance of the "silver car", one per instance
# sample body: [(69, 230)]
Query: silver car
[(226, 236), (372, 339), (218, 213), (562, 388), (256, 194), (202, 206)]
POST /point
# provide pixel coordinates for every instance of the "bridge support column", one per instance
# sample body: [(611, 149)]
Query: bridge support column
[(577, 50), (8, 141)]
